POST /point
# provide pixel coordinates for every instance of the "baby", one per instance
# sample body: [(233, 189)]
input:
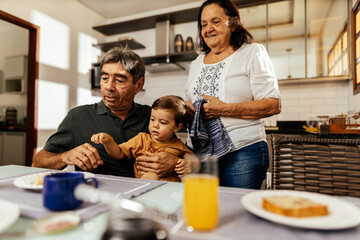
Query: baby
[(168, 115)]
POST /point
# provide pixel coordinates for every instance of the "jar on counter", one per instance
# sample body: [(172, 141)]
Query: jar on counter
[(323, 124)]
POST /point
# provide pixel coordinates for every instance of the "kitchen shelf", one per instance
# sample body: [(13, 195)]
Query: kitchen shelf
[(172, 57), (129, 42), (183, 16), (168, 62)]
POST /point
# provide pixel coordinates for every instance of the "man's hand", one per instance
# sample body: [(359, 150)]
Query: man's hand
[(84, 156), (162, 163)]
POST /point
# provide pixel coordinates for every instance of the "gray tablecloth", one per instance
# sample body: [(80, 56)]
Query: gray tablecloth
[(235, 222), (31, 204)]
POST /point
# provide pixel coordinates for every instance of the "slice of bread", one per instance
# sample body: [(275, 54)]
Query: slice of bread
[(39, 179), (292, 206)]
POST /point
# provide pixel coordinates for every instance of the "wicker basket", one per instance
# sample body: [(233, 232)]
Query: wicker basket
[(330, 166)]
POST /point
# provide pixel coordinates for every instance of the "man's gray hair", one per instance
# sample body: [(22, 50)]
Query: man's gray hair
[(132, 62)]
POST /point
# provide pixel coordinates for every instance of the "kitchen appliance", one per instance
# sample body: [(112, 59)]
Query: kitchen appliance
[(10, 116)]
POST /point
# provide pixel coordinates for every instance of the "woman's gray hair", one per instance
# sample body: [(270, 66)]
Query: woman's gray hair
[(132, 62)]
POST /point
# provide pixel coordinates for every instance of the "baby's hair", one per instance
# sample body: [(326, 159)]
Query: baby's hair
[(176, 104)]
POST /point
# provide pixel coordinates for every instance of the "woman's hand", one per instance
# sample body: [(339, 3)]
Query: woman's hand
[(214, 108), (190, 106)]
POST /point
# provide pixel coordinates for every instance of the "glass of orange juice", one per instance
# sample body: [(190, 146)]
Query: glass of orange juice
[(200, 207)]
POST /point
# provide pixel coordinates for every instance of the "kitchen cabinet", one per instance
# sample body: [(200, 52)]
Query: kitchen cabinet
[(15, 74), (12, 146), (178, 17)]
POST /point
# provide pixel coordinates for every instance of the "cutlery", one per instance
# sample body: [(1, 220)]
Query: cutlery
[(94, 195)]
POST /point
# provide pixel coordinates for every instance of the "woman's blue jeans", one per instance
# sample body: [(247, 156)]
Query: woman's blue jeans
[(246, 167)]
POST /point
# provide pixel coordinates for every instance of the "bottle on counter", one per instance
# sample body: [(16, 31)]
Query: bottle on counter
[(323, 125)]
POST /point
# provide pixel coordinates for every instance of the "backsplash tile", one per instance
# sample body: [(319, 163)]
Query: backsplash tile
[(300, 101)]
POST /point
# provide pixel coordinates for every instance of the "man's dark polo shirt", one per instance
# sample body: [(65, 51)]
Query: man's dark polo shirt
[(84, 121)]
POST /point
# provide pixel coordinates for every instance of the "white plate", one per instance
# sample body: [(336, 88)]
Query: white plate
[(57, 222), (9, 213), (341, 215), (28, 181)]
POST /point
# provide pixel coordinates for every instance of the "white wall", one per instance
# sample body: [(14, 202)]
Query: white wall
[(66, 53), (304, 101)]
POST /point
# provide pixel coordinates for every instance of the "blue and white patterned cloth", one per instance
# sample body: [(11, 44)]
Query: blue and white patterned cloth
[(208, 136)]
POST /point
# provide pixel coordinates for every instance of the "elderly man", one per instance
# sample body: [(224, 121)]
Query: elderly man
[(122, 77)]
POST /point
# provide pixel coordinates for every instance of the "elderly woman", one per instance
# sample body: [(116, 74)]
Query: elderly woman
[(235, 77)]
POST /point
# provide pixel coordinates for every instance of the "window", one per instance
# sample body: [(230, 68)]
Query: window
[(338, 57), (356, 58)]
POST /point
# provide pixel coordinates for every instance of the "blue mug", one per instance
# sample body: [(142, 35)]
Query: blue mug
[(58, 190)]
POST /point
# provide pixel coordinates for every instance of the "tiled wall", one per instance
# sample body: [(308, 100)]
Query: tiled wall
[(307, 100), (160, 84), (301, 101)]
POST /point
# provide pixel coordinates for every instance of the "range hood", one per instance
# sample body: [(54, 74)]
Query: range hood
[(165, 59), (169, 62)]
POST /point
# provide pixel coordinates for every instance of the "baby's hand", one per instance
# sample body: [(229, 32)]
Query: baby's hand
[(189, 164), (183, 167), (101, 138)]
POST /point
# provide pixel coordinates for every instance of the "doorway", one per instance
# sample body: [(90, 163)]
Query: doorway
[(32, 78)]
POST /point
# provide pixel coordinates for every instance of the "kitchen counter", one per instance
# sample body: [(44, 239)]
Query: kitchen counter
[(15, 128), (296, 128), (288, 127)]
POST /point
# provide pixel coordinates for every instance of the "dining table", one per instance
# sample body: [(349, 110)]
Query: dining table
[(235, 219)]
